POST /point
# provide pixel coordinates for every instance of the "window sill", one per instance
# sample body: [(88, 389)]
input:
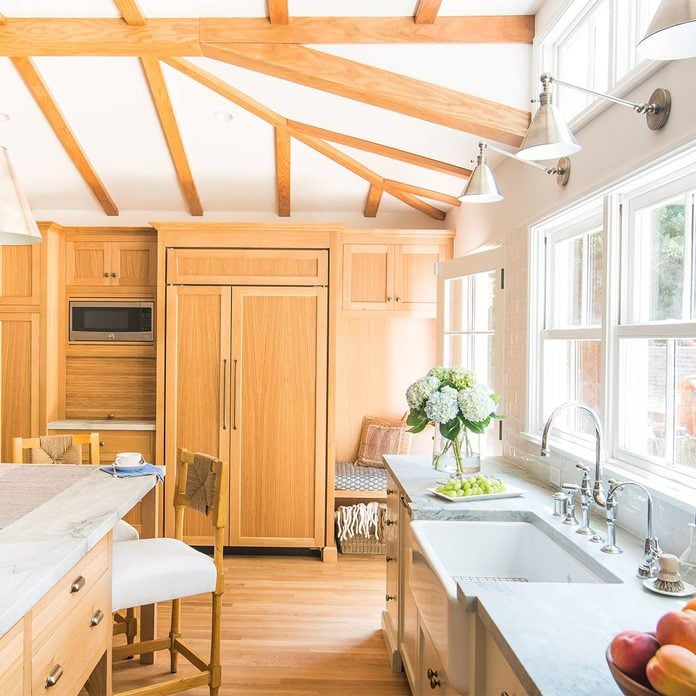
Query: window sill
[(680, 495)]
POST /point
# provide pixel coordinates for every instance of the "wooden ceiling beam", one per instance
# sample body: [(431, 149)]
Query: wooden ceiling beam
[(374, 198), (182, 36), (426, 12), (275, 119), (131, 12), (99, 37), (388, 90), (425, 193), (34, 82), (165, 112), (321, 30), (384, 150), (282, 159), (277, 11)]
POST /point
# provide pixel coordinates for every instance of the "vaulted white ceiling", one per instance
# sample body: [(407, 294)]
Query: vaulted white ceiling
[(108, 105)]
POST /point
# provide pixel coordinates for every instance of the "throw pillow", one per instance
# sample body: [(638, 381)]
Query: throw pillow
[(380, 437)]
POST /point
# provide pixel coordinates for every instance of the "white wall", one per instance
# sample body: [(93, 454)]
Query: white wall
[(614, 144)]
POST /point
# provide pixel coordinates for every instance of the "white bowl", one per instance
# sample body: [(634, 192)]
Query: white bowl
[(129, 460)]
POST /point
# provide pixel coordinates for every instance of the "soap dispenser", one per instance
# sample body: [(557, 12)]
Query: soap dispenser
[(687, 561)]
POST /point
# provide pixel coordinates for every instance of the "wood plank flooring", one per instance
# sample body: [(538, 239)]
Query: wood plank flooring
[(291, 625)]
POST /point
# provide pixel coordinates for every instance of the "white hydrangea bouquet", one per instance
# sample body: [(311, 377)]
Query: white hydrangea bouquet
[(456, 404)]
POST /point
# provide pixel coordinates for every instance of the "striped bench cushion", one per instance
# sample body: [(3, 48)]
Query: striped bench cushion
[(350, 477)]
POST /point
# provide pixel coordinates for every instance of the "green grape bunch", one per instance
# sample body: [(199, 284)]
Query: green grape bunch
[(471, 486)]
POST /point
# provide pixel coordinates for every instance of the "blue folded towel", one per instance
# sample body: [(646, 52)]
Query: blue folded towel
[(144, 470)]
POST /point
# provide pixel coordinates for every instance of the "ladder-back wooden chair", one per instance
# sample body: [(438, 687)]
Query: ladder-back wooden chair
[(57, 448), (148, 571)]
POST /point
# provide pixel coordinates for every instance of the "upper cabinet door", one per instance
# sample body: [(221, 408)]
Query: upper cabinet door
[(20, 274), (134, 264), (88, 263), (415, 283), (368, 276)]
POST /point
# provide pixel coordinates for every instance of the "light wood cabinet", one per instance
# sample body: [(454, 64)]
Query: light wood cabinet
[(20, 275), (499, 678), (20, 361), (12, 673), (408, 612), (124, 264), (431, 675), (246, 382), (392, 277), (390, 617)]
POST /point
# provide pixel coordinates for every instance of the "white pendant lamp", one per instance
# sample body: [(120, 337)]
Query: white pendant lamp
[(482, 187), (17, 224), (672, 32)]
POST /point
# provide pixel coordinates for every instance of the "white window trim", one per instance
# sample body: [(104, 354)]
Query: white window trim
[(669, 166)]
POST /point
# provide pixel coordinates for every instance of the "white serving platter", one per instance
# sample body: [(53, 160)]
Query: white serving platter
[(509, 493)]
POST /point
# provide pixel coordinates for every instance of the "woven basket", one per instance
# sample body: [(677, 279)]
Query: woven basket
[(360, 544)]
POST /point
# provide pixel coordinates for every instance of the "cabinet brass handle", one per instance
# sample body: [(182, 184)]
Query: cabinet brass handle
[(54, 677), (389, 597), (96, 618), (77, 584), (224, 394), (389, 523), (391, 559), (234, 398)]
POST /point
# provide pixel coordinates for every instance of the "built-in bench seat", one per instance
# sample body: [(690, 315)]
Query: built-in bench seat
[(360, 482)]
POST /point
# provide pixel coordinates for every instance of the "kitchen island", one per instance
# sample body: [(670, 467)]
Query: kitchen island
[(551, 636), (55, 574)]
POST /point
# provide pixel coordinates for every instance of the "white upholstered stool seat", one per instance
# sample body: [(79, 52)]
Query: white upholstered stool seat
[(125, 532), (147, 571)]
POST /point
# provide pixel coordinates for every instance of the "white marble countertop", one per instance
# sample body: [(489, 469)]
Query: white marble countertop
[(553, 635), (39, 548), (101, 424)]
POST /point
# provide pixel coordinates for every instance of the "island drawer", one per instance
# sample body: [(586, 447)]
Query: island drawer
[(74, 650), (12, 661), (111, 442), (51, 611)]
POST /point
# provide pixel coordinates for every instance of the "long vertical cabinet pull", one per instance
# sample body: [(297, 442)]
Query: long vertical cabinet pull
[(234, 396), (224, 394)]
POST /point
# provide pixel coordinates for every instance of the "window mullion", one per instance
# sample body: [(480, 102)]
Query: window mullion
[(670, 403)]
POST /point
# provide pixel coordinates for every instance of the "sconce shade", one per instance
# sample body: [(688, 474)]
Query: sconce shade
[(672, 32), (481, 187), (549, 136), (17, 224)]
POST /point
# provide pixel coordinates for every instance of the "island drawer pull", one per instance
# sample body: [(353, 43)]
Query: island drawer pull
[(77, 584), (97, 618), (54, 677), (389, 523)]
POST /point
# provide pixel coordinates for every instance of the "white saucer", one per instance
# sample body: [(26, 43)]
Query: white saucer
[(126, 467), (688, 590)]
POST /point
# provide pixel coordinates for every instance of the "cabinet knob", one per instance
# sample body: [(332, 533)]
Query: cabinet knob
[(77, 584), (391, 491), (389, 299), (390, 559), (389, 523), (390, 597), (101, 443), (434, 682), (398, 299), (113, 275), (54, 676), (106, 275)]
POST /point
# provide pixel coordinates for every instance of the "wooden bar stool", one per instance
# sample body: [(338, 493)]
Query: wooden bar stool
[(148, 571)]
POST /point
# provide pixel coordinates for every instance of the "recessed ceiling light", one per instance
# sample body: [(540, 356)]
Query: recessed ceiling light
[(4, 117), (223, 115)]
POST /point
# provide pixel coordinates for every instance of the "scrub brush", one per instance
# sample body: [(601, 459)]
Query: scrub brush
[(668, 578)]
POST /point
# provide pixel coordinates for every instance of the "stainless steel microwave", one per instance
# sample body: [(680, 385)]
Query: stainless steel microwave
[(111, 321)]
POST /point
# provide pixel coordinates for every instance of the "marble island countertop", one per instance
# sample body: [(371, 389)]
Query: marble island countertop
[(553, 635), (97, 424), (56, 526)]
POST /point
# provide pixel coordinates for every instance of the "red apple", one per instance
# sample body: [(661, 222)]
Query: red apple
[(631, 652)]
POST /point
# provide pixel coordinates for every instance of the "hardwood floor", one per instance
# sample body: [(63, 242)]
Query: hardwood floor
[(291, 625)]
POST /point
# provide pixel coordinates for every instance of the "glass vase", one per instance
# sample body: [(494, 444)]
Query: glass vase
[(458, 457)]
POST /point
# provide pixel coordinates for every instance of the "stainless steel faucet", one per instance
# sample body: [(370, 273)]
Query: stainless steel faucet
[(648, 566), (586, 503), (597, 492)]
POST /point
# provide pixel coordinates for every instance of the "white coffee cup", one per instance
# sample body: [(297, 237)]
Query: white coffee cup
[(129, 460)]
